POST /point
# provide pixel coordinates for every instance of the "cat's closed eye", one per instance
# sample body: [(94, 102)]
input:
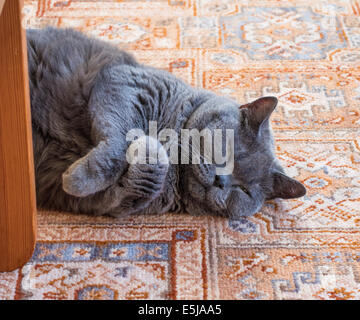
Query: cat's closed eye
[(245, 190), (222, 181)]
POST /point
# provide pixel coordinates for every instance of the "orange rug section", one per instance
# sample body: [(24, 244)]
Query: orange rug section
[(306, 53)]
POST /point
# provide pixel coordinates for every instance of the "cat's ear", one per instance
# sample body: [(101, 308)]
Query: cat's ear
[(285, 187), (259, 111)]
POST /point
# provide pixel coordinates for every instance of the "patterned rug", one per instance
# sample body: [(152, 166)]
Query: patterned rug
[(305, 52)]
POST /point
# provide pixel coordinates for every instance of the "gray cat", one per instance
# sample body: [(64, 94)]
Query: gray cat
[(86, 95)]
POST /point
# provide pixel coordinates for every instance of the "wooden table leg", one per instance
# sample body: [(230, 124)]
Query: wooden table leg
[(17, 186)]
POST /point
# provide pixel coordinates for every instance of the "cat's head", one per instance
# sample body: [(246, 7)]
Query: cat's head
[(256, 175)]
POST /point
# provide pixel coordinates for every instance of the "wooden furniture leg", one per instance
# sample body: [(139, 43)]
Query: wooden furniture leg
[(17, 185)]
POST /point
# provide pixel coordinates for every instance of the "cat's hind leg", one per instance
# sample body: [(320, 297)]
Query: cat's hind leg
[(96, 171)]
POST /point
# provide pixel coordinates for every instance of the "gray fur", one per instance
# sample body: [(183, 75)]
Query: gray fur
[(86, 95)]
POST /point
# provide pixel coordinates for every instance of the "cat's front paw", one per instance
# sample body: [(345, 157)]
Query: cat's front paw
[(145, 178)]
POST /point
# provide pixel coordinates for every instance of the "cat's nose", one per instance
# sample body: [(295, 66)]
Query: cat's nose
[(220, 181)]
